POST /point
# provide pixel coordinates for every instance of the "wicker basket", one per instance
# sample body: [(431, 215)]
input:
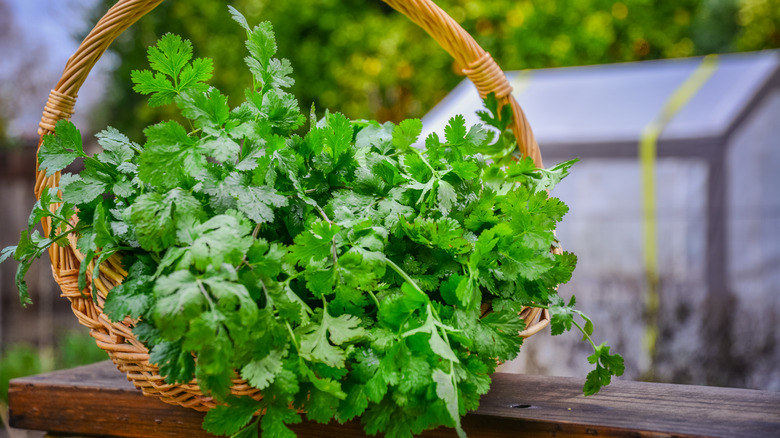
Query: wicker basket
[(128, 353)]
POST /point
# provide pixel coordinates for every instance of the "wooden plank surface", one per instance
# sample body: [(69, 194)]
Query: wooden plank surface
[(98, 400)]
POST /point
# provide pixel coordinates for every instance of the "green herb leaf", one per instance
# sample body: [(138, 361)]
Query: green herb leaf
[(156, 217), (61, 149), (231, 418), (446, 391), (607, 365), (261, 373), (406, 133), (171, 59), (316, 345)]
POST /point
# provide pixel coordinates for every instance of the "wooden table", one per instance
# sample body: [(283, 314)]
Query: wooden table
[(98, 400)]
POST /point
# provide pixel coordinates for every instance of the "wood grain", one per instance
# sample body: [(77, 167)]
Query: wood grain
[(98, 400)]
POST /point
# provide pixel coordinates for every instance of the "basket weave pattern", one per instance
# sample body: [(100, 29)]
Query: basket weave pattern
[(117, 339)]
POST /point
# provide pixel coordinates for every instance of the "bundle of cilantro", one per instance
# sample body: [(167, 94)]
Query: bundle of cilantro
[(341, 272)]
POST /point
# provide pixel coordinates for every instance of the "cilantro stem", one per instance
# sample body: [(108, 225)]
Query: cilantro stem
[(538, 306), (136, 148), (335, 254), (373, 297), (292, 337), (404, 275), (60, 218), (254, 236), (424, 160), (54, 239), (205, 294), (431, 310), (292, 277), (100, 165), (265, 289), (322, 213), (587, 336)]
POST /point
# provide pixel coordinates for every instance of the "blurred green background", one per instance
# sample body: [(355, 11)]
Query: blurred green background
[(366, 60)]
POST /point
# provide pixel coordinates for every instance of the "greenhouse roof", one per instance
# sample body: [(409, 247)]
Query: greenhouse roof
[(613, 103)]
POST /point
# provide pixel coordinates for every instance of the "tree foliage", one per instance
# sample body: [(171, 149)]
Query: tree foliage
[(368, 61)]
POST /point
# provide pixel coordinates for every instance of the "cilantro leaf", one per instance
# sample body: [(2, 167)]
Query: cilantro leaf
[(239, 18), (495, 334), (176, 365), (551, 177), (170, 58), (208, 110), (337, 135), (281, 110), (219, 240), (455, 130), (256, 202), (60, 216), (316, 345), (607, 365), (446, 196), (170, 156), (492, 116), (117, 148), (314, 244), (276, 419), (448, 392), (406, 133), (261, 42), (261, 373), (161, 88), (60, 149), (156, 217), (231, 418), (180, 298), (562, 316), (377, 136), (132, 297)]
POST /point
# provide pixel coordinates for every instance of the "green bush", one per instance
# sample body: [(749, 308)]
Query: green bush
[(74, 348), (366, 60), (18, 360)]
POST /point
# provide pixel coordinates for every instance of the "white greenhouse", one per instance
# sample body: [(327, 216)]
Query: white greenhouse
[(717, 196)]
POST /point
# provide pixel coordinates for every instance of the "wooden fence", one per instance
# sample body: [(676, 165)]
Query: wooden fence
[(37, 324)]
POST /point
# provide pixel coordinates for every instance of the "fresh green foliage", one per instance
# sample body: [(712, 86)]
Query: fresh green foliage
[(174, 71), (342, 271)]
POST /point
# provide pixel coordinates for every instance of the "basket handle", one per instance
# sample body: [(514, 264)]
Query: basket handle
[(480, 68)]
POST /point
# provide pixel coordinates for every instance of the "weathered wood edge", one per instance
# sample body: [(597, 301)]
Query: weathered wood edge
[(98, 400)]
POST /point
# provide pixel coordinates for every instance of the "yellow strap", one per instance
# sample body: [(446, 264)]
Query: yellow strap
[(647, 152)]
